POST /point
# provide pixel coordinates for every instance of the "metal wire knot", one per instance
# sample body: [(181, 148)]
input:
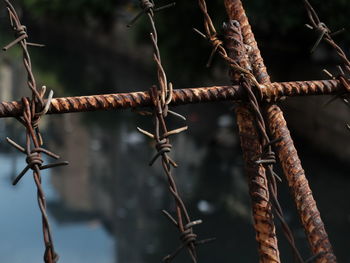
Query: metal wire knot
[(268, 157), (187, 236), (322, 29), (20, 31), (147, 5), (162, 147), (34, 159)]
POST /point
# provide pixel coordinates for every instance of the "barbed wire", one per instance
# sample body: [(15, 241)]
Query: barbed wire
[(212, 36), (268, 158), (33, 110), (161, 96), (327, 35)]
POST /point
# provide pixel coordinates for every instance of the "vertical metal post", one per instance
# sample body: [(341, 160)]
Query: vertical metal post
[(252, 149), (306, 205)]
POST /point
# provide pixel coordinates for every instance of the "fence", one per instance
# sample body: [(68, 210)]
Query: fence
[(261, 124)]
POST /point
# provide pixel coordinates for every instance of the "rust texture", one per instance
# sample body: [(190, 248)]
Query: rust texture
[(268, 92), (263, 220), (236, 11), (252, 150), (289, 157), (302, 193)]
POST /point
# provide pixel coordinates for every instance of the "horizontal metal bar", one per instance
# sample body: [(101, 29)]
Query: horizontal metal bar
[(269, 92)]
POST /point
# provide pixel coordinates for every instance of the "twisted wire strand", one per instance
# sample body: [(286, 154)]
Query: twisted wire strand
[(161, 97), (217, 44), (258, 187), (35, 164), (249, 81), (21, 38), (239, 52), (326, 34), (33, 110), (268, 159)]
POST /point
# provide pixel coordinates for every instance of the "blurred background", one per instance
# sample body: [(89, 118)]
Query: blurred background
[(106, 205)]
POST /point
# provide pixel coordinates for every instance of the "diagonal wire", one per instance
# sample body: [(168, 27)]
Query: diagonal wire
[(326, 35), (248, 81), (33, 110)]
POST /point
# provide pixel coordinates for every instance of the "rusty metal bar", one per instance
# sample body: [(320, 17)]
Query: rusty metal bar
[(258, 188), (252, 149), (289, 158), (236, 11), (269, 92), (306, 205)]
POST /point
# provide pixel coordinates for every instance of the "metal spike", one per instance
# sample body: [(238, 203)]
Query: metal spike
[(14, 144), (145, 132), (176, 131), (165, 7), (19, 177), (169, 216), (328, 73), (323, 32), (52, 165), (177, 115), (199, 33)]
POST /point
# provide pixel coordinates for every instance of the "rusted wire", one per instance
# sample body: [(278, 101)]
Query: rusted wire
[(251, 145), (288, 155), (326, 34), (248, 81), (33, 110), (161, 97), (267, 157), (217, 44), (306, 205)]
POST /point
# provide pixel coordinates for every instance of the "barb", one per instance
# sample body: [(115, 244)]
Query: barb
[(148, 6), (161, 97), (212, 36), (21, 38), (326, 35), (267, 159), (251, 146), (32, 112)]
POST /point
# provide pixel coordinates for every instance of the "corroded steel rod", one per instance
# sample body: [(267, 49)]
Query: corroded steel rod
[(289, 158), (269, 92), (258, 187), (236, 11), (251, 146), (306, 205)]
